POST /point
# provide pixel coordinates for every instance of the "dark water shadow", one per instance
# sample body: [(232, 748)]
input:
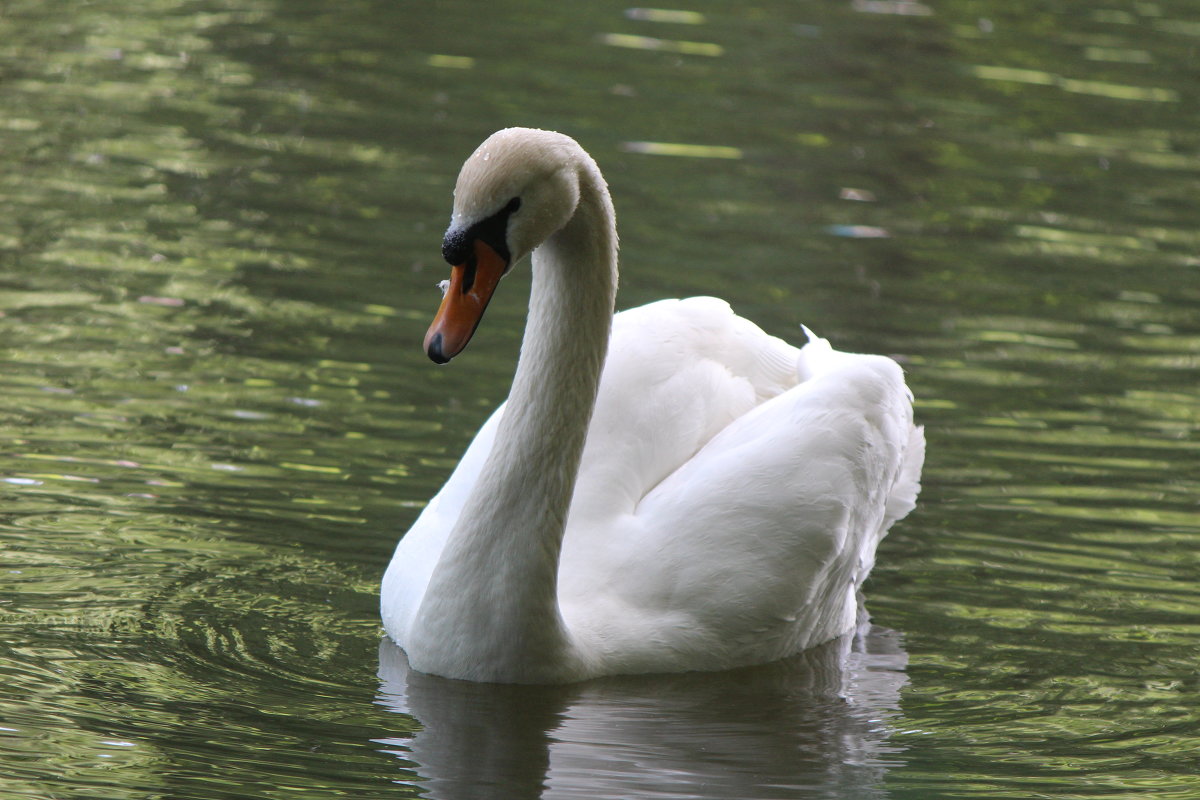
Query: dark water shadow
[(815, 725)]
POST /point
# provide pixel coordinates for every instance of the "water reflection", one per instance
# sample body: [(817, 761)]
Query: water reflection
[(816, 725), (218, 249)]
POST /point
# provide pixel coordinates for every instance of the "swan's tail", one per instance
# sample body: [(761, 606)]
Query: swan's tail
[(903, 497), (900, 500), (894, 412), (818, 357), (814, 356)]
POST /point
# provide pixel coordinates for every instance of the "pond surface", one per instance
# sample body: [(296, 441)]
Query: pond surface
[(219, 242)]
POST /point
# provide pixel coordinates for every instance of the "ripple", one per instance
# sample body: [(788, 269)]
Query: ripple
[(218, 253)]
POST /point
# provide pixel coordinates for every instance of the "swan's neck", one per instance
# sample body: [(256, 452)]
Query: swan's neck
[(491, 609)]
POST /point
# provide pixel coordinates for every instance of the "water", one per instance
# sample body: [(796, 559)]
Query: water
[(219, 233)]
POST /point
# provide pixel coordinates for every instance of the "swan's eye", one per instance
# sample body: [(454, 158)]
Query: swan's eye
[(513, 205)]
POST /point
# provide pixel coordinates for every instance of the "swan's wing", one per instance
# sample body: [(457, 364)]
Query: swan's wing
[(755, 547), (677, 372)]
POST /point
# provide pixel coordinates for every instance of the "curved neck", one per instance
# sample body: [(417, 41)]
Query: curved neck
[(491, 609)]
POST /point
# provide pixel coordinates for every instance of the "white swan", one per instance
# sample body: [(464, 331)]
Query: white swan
[(707, 497)]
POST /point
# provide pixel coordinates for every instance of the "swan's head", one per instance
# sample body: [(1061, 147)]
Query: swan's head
[(515, 191)]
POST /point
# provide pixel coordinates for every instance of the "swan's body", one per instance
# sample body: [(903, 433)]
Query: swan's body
[(720, 507)]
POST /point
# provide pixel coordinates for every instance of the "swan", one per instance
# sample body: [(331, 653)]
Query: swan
[(666, 489)]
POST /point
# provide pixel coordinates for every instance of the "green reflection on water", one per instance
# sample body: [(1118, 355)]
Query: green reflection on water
[(219, 228)]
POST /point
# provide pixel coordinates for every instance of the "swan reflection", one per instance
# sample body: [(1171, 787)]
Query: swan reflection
[(814, 725)]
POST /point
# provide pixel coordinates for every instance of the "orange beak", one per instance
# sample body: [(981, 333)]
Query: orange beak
[(471, 286)]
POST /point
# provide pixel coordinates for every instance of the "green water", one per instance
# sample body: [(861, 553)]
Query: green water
[(219, 242)]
